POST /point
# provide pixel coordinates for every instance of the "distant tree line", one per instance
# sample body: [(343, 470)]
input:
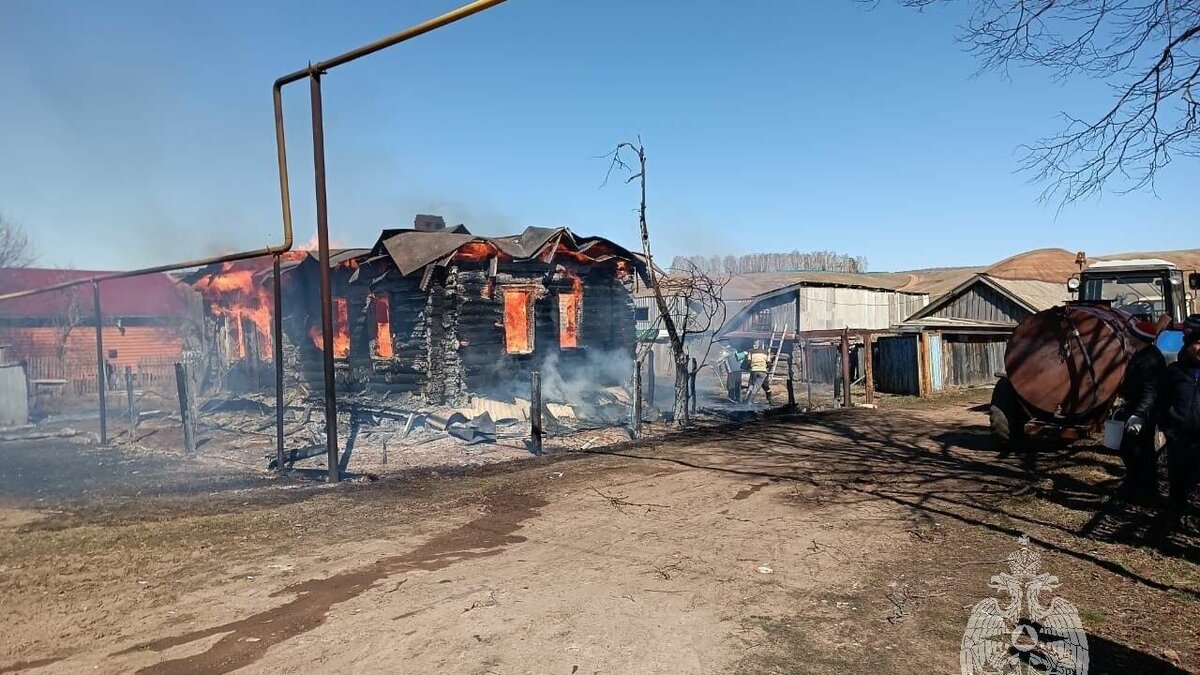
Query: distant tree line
[(796, 261)]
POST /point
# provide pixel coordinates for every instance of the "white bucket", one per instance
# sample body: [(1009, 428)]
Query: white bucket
[(1114, 432)]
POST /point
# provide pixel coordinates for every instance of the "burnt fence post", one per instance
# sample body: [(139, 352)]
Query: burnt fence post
[(101, 365), (791, 377), (185, 408), (535, 413), (636, 422), (129, 403)]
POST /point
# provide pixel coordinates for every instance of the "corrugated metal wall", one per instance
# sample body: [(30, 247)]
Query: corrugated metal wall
[(827, 308), (896, 366), (14, 395), (981, 302), (972, 360), (650, 305)]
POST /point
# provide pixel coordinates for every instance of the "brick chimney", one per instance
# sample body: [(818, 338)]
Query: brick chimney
[(429, 223)]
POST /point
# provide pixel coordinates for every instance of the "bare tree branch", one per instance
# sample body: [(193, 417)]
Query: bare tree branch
[(1148, 49), (676, 327), (15, 248)]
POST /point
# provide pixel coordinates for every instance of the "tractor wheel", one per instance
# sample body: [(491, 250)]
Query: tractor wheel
[(1008, 417)]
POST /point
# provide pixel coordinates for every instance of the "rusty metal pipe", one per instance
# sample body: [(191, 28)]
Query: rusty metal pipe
[(281, 151), (277, 341), (389, 41), (318, 131)]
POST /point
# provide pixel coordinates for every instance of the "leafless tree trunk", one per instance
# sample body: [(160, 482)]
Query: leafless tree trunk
[(65, 322), (683, 292), (1149, 50)]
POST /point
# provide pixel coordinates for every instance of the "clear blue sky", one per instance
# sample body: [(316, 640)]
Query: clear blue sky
[(136, 133)]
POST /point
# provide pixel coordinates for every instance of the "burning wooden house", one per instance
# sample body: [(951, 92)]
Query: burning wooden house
[(443, 313)]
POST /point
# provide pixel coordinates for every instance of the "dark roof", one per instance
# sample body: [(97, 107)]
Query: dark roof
[(413, 250), (149, 295)]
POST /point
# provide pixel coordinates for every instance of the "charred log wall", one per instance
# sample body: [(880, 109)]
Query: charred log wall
[(606, 322), (449, 339), (408, 313)]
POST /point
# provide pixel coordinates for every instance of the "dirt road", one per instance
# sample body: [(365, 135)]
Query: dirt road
[(852, 542)]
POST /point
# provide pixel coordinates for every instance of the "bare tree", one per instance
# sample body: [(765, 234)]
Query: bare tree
[(72, 315), (698, 310), (1149, 50), (688, 302), (15, 248)]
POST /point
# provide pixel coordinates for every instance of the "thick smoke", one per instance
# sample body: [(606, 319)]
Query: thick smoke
[(592, 382), (576, 381)]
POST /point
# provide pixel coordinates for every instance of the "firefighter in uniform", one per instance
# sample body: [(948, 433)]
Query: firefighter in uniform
[(1179, 416), (1138, 393), (758, 359)]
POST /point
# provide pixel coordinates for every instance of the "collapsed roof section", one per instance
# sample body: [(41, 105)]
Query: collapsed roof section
[(414, 250)]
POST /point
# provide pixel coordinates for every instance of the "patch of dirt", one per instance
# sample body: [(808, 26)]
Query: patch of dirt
[(846, 542)]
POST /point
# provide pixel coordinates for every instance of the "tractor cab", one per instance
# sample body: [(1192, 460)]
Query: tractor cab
[(1147, 289)]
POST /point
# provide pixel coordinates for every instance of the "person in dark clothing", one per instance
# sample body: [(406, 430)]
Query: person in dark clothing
[(1179, 416), (1138, 395)]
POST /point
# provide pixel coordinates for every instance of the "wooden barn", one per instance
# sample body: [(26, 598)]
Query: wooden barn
[(966, 329)]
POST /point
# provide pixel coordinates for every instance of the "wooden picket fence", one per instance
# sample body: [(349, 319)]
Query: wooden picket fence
[(155, 374)]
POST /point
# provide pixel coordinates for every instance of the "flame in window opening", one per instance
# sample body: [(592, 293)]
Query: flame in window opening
[(341, 330), (518, 330), (570, 306), (383, 328)]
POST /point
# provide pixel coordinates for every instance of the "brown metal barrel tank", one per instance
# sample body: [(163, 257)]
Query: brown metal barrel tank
[(1068, 361)]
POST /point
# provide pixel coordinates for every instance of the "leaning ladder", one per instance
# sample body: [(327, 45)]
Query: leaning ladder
[(778, 350)]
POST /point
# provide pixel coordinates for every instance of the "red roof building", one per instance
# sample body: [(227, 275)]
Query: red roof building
[(54, 332)]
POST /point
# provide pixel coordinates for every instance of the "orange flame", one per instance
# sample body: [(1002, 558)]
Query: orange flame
[(231, 293), (569, 308), (477, 251), (518, 336), (341, 330), (383, 328)]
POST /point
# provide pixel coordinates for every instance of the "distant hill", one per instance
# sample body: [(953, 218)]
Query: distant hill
[(1052, 265)]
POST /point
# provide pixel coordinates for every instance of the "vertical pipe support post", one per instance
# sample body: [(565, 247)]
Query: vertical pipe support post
[(277, 347), (318, 130)]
